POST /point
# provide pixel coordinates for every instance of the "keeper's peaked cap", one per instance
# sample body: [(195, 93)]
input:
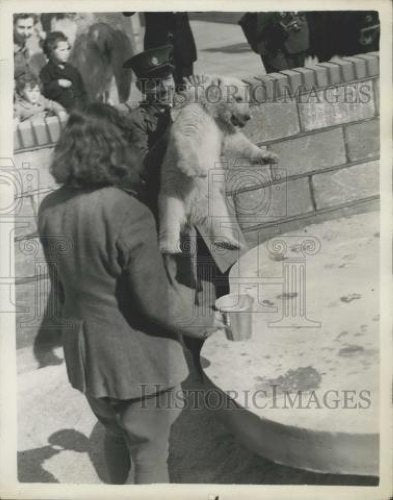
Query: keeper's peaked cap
[(152, 63)]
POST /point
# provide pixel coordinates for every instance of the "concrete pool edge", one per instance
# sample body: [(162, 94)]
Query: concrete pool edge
[(323, 452)]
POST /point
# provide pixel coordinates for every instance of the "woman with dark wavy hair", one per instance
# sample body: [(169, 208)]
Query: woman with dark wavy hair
[(121, 316), (94, 150)]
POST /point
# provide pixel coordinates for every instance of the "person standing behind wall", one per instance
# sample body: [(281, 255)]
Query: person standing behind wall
[(24, 25), (163, 28), (280, 38), (355, 32)]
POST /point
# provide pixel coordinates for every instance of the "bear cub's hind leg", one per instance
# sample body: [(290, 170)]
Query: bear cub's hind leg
[(172, 219)]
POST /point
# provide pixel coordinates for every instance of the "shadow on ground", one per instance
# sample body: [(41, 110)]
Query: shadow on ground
[(30, 462)]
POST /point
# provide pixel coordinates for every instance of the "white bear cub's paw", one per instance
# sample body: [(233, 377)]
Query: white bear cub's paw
[(171, 246), (266, 156)]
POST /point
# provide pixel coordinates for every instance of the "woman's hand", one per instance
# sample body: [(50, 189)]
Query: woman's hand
[(218, 324), (219, 321)]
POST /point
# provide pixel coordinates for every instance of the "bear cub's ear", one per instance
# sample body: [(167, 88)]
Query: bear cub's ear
[(217, 81), (213, 80)]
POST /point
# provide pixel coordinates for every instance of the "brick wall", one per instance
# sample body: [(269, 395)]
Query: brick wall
[(328, 147), (324, 124)]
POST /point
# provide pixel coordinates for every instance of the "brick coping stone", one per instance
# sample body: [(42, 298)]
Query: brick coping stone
[(37, 134)]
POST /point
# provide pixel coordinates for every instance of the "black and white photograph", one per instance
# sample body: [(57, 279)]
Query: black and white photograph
[(195, 217)]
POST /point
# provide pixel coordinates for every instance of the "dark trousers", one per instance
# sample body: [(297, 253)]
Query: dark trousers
[(212, 284), (137, 433), (181, 72)]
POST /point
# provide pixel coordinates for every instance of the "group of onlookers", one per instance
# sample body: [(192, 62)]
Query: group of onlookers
[(57, 88), (282, 39), (285, 39)]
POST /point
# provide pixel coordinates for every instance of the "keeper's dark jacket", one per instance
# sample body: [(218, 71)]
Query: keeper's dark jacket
[(121, 316), (75, 95)]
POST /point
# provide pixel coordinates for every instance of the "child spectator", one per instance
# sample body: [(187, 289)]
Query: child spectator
[(61, 81), (29, 104)]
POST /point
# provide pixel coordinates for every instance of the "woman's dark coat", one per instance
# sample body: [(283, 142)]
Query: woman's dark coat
[(120, 337)]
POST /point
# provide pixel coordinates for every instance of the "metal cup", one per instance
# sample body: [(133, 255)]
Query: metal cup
[(237, 312)]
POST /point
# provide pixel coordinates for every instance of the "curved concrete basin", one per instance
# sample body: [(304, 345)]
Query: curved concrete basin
[(303, 391)]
